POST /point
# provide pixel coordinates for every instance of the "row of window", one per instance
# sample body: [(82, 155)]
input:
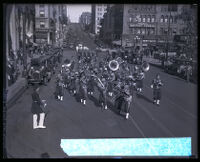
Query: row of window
[(165, 19), (143, 18), (143, 31), (151, 18)]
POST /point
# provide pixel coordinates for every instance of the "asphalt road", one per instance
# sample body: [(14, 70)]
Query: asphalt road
[(175, 117)]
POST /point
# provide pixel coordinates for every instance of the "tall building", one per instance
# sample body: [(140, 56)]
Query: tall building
[(152, 24), (85, 18), (44, 23), (61, 21), (112, 24), (98, 11), (139, 24)]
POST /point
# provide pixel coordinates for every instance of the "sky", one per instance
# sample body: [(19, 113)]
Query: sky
[(75, 10)]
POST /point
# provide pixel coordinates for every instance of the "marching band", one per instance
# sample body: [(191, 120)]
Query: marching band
[(114, 77)]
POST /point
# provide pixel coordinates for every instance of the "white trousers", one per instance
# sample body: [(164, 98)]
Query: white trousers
[(41, 121)]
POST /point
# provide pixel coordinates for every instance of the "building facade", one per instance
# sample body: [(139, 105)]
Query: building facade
[(85, 20), (152, 24), (44, 23), (98, 11), (112, 24), (20, 20), (139, 24)]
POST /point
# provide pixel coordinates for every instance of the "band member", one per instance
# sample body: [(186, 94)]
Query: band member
[(139, 81), (90, 86), (59, 88), (83, 88), (156, 85), (126, 101), (36, 109), (110, 84), (103, 93), (72, 87), (66, 77)]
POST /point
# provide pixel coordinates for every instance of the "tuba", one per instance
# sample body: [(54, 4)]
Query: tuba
[(145, 66), (113, 65)]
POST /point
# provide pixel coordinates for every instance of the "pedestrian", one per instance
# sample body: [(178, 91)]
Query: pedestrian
[(59, 88), (37, 110), (83, 88), (156, 85)]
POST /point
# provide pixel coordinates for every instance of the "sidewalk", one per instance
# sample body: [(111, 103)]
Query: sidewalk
[(18, 88)]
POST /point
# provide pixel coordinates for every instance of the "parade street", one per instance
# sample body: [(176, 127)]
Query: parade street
[(175, 117)]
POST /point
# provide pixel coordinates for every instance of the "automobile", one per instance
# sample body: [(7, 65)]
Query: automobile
[(38, 71), (177, 66)]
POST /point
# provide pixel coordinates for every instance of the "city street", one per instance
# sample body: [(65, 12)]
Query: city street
[(137, 52), (175, 117)]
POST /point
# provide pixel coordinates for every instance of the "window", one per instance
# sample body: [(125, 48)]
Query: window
[(153, 18), (162, 19), (149, 18), (143, 19), (171, 19), (152, 31), (42, 25), (138, 31), (143, 30), (174, 30), (166, 19), (41, 13), (139, 19)]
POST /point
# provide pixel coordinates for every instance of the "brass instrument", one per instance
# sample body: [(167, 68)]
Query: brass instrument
[(114, 64), (145, 66)]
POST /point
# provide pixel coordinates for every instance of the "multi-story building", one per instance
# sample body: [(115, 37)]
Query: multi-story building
[(98, 11), (139, 24), (44, 23), (61, 21), (112, 24), (152, 24), (85, 19)]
